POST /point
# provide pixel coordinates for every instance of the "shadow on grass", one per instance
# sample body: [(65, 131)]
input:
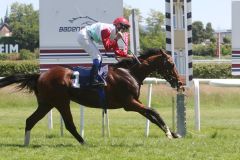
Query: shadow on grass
[(37, 145), (16, 145)]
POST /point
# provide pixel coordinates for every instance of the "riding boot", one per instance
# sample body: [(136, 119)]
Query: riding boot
[(94, 77)]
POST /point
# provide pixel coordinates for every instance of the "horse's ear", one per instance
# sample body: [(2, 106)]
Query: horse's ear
[(163, 53)]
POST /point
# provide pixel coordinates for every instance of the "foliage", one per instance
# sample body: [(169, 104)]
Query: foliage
[(200, 34), (153, 36), (204, 50), (226, 49), (197, 32), (151, 30), (155, 21), (127, 11), (25, 25), (226, 40), (3, 56), (9, 56), (37, 53), (209, 31), (210, 50), (7, 40), (13, 67), (216, 70), (26, 55), (150, 41)]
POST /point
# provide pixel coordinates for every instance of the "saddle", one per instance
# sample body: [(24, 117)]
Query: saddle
[(81, 77)]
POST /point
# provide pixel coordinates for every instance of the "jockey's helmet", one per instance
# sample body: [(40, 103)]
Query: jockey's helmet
[(121, 23)]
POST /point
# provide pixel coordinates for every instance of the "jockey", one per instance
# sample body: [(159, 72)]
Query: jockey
[(106, 34)]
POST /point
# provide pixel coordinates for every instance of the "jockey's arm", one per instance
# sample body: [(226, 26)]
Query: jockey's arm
[(111, 45)]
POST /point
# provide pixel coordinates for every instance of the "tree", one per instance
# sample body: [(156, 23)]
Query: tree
[(209, 31), (227, 40), (153, 36), (155, 21), (127, 11), (198, 32), (151, 32), (24, 23)]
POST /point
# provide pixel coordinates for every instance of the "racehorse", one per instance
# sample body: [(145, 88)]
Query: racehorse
[(53, 88)]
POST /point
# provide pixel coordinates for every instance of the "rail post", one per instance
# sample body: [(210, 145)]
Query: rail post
[(181, 114)]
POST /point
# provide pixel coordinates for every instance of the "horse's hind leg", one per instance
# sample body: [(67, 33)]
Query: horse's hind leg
[(41, 111), (68, 121)]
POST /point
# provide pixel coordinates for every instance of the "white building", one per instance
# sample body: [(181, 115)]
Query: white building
[(223, 34)]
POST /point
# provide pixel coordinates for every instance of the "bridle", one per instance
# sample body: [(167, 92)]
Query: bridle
[(169, 71)]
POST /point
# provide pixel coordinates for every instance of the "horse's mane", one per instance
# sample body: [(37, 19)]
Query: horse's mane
[(143, 55), (125, 63), (150, 52)]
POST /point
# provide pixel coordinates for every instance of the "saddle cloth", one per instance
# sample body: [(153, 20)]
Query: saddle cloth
[(82, 75)]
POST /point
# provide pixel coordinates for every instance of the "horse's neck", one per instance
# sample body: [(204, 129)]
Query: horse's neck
[(140, 72)]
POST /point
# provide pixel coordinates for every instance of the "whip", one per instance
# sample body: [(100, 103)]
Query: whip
[(131, 51)]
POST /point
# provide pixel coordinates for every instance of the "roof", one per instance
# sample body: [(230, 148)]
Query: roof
[(223, 31), (5, 25)]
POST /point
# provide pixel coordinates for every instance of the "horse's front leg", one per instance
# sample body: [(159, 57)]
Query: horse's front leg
[(170, 134), (152, 115)]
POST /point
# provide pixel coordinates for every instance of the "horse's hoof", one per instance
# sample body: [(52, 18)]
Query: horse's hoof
[(169, 135), (175, 135)]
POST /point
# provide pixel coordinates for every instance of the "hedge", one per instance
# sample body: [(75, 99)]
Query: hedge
[(213, 70), (200, 70), (12, 67)]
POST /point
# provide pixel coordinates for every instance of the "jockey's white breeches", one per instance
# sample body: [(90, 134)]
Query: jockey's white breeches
[(88, 45)]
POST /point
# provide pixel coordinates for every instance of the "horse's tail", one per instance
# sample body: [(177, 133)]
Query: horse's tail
[(28, 81)]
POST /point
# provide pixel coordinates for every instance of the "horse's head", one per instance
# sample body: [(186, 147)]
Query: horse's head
[(164, 65)]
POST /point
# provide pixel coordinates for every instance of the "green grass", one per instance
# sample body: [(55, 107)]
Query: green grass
[(218, 139)]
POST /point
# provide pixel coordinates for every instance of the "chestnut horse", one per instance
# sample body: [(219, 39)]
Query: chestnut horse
[(53, 88)]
